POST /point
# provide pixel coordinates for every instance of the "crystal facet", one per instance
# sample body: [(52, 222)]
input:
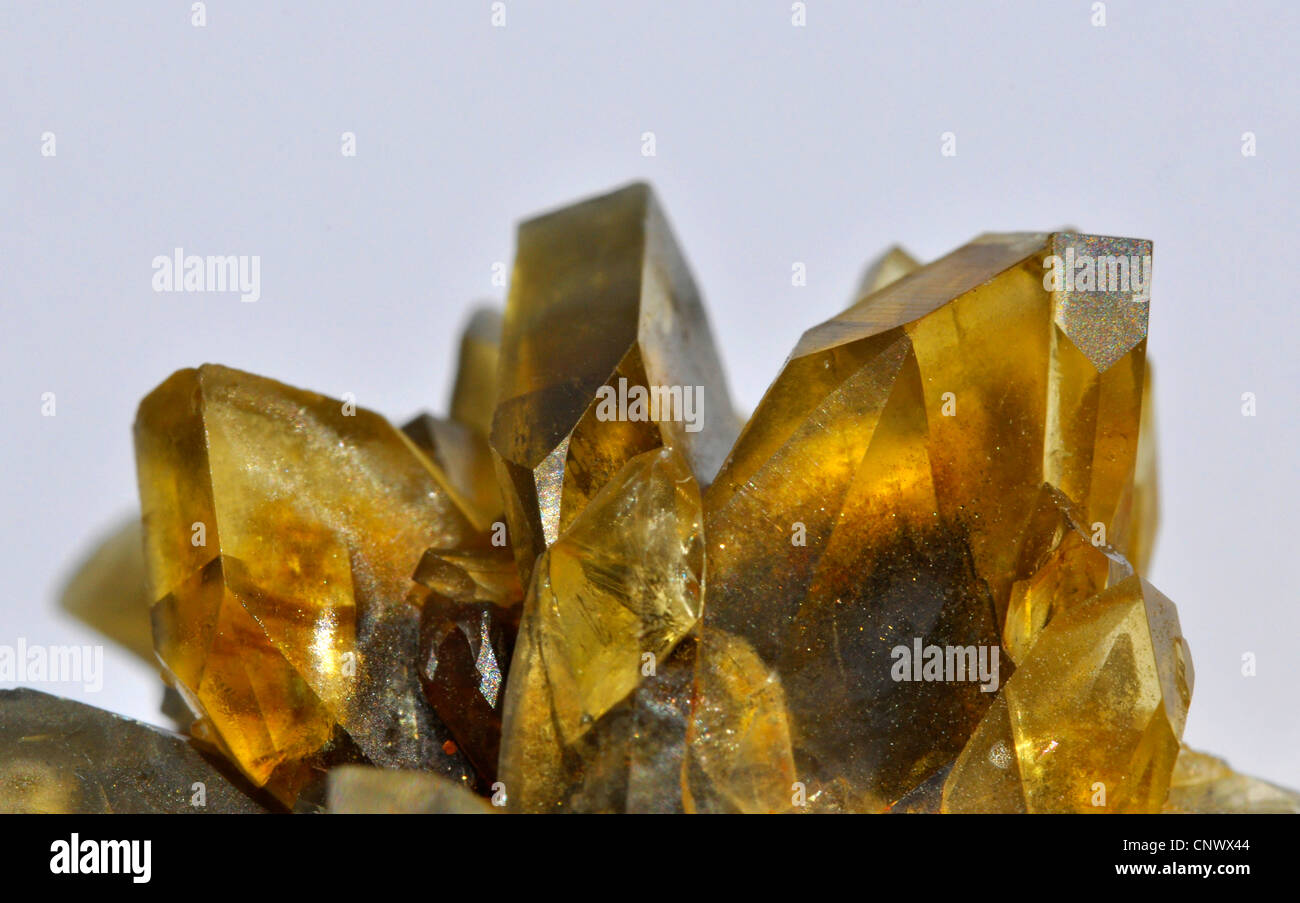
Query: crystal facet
[(1061, 565), (468, 625), (282, 529), (877, 495), (609, 601), (1092, 718), (474, 394), (459, 445), (601, 301), (913, 583), (740, 758)]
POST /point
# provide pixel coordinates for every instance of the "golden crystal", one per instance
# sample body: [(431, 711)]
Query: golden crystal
[(631, 759), (474, 393), (891, 266), (601, 301), (879, 491), (740, 758), (1092, 718), (281, 531), (110, 592), (1061, 565), (463, 457), (609, 599), (459, 444), (1146, 490), (911, 583)]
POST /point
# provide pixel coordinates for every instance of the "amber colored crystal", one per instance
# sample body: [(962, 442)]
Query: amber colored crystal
[(63, 757), (1061, 565), (600, 297), (739, 754), (1202, 783), (1146, 490), (281, 532), (459, 444), (609, 601), (878, 493), (913, 582), (1092, 718), (474, 393), (631, 759), (463, 457)]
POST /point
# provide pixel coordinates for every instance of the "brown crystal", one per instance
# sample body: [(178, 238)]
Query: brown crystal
[(600, 298)]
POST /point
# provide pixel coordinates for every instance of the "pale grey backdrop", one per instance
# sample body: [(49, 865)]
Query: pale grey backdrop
[(774, 144)]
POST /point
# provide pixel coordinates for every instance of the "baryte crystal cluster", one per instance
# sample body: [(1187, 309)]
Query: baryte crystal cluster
[(913, 581)]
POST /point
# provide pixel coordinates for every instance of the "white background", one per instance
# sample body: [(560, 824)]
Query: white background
[(775, 144)]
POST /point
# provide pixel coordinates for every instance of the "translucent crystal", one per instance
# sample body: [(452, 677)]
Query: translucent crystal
[(609, 601), (281, 532), (878, 494), (1092, 718), (600, 300)]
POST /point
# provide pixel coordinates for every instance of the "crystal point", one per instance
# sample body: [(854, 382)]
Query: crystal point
[(1092, 718), (601, 302), (609, 601), (281, 531), (879, 494)]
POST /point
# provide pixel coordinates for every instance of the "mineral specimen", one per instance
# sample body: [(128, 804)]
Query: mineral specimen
[(601, 307), (58, 756), (281, 532), (878, 493), (1091, 719), (611, 598), (914, 582)]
